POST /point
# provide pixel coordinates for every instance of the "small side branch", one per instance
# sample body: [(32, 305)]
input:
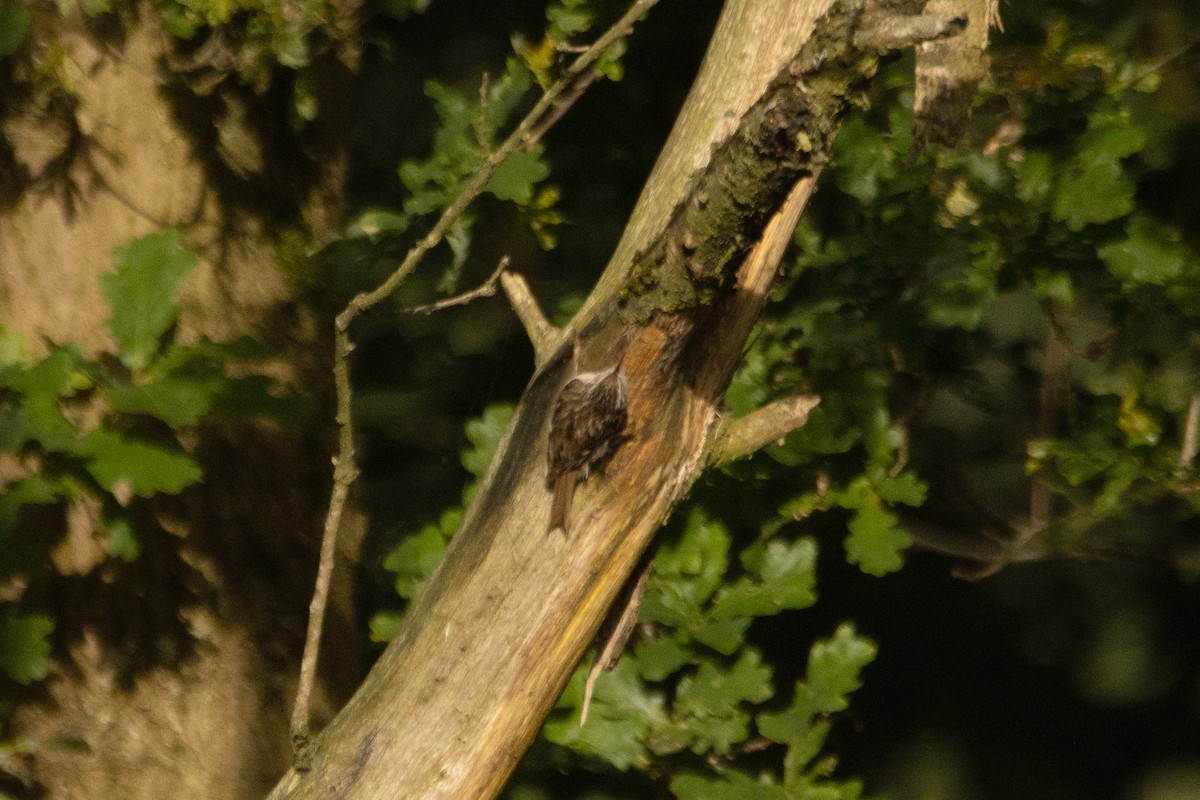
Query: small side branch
[(739, 438), (344, 473), (622, 618), (888, 33), (539, 330), (485, 289)]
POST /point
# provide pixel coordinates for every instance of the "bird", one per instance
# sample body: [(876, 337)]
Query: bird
[(587, 426)]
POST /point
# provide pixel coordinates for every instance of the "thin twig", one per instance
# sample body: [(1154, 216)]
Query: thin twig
[(485, 289), (344, 473), (1054, 363), (746, 435), (562, 106), (482, 132)]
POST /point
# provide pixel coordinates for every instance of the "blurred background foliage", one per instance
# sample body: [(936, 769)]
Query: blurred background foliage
[(1004, 336)]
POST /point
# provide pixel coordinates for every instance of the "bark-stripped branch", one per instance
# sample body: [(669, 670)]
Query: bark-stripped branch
[(739, 438), (541, 333)]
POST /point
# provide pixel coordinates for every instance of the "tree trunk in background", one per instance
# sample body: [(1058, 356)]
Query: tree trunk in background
[(181, 665)]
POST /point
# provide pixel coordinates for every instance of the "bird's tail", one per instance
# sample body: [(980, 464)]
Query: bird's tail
[(560, 509)]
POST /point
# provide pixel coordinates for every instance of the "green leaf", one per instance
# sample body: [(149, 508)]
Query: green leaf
[(1092, 193), (122, 540), (458, 239), (802, 750), (385, 625), (177, 402), (31, 490), (14, 25), (707, 714), (659, 657), (517, 176), (962, 302), (376, 221), (485, 434), (38, 417), (732, 785), (1150, 253), (1057, 287), (834, 671), (415, 559), (24, 646), (687, 571), (865, 160), (621, 714), (505, 96), (609, 64), (1111, 134), (142, 293), (781, 577), (1139, 426), (1034, 178), (876, 542), (905, 489), (1094, 188), (118, 463), (723, 635), (567, 19)]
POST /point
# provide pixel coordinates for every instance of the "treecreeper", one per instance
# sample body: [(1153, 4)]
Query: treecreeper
[(586, 428)]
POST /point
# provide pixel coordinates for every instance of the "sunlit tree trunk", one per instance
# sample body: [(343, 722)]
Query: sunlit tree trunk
[(175, 666)]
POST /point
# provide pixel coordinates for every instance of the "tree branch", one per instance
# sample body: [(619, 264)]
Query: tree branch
[(541, 333), (500, 626), (742, 437), (485, 289), (345, 471)]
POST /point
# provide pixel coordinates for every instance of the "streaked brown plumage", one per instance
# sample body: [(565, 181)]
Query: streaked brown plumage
[(586, 428)]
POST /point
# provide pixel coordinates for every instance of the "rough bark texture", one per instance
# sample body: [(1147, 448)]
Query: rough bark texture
[(459, 694), (172, 687)]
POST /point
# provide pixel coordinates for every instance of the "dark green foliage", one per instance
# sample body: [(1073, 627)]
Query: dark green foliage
[(24, 648), (14, 25), (694, 685), (270, 32), (470, 128), (416, 556)]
